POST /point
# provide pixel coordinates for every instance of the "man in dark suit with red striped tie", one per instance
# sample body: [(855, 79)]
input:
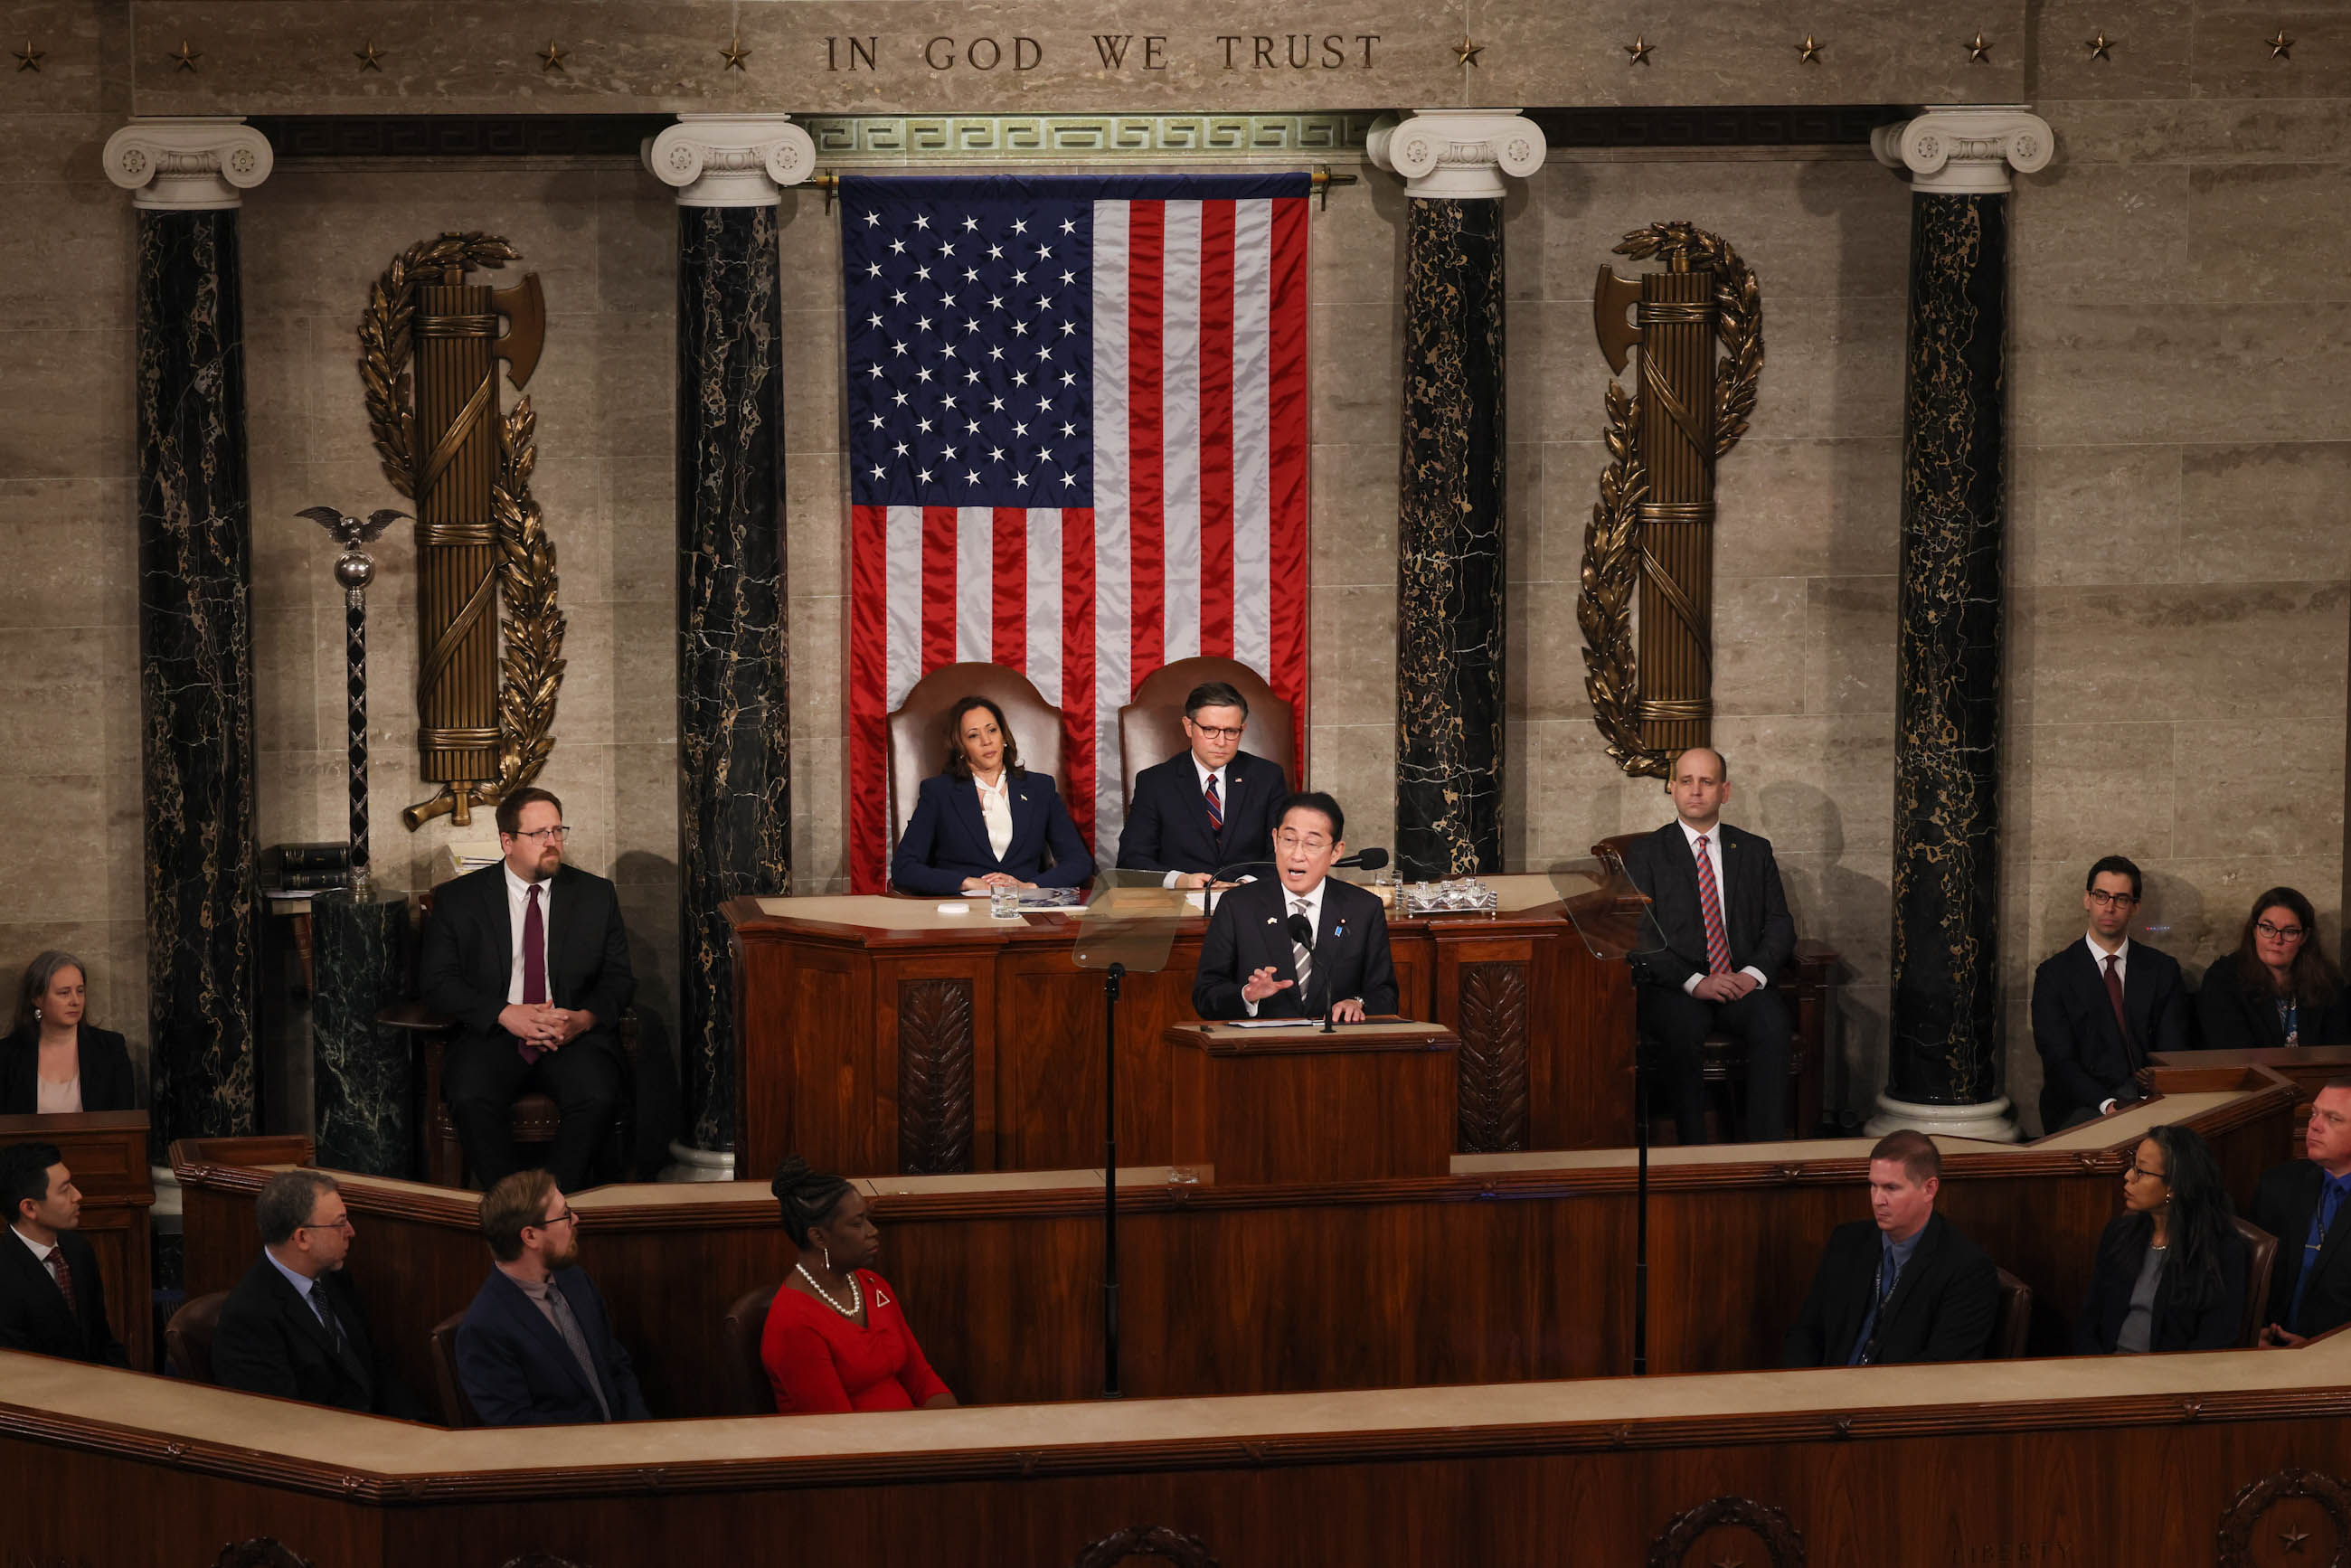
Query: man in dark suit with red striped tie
[(1715, 891), (1212, 808)]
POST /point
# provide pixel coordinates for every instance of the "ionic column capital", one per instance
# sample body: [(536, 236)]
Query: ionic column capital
[(188, 164), (731, 160), (1966, 150), (1460, 155)]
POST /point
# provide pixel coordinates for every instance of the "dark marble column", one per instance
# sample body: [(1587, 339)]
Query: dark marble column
[(1946, 1039), (195, 632), (363, 1097), (1449, 525), (733, 736)]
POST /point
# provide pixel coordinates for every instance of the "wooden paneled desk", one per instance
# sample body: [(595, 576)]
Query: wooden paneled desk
[(1300, 1103), (107, 1153), (879, 1034)]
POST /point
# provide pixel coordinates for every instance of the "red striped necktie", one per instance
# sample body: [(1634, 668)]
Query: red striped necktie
[(1216, 807), (1710, 899)]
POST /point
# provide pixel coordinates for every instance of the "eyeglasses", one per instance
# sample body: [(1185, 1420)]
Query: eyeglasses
[(2106, 900), (341, 1222), (2279, 933), (1214, 731), (545, 835), (1312, 843), (569, 1216), (2136, 1171)]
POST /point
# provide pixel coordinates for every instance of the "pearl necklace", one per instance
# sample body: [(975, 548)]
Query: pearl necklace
[(856, 1296)]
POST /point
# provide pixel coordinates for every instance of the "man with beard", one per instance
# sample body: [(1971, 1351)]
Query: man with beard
[(536, 1348), (528, 955)]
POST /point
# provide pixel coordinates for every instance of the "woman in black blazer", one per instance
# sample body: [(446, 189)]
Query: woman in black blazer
[(2171, 1271), (2278, 987), (951, 846), (54, 1061)]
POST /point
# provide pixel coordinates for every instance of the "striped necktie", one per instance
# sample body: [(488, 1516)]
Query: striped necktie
[(1709, 900)]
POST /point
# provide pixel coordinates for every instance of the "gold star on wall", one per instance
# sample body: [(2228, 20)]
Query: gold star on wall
[(1808, 52), (1467, 53), (29, 58), (2281, 46), (2292, 1540), (2099, 45), (551, 59), (1640, 49), (735, 53), (368, 57), (1980, 51), (186, 57)]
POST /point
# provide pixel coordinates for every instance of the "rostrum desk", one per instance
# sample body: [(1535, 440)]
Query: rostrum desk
[(880, 1035)]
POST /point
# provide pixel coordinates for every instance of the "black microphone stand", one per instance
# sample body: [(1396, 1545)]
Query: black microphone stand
[(1641, 1209)]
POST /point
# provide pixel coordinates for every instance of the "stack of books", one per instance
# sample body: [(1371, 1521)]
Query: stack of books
[(304, 871)]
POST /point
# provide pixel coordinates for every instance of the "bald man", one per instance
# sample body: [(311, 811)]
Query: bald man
[(1716, 893)]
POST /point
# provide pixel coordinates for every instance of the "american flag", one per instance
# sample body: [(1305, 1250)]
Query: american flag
[(1077, 442)]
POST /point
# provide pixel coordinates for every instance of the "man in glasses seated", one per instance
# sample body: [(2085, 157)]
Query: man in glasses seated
[(2103, 1006), (536, 1348), (528, 955), (1301, 944), (1211, 807)]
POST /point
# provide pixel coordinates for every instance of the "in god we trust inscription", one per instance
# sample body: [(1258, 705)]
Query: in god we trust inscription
[(1119, 53)]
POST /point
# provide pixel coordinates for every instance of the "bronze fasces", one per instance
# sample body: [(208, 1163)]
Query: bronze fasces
[(430, 354), (1698, 325)]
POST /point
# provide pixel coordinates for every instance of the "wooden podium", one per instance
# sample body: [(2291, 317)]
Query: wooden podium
[(1362, 1102), (107, 1153)]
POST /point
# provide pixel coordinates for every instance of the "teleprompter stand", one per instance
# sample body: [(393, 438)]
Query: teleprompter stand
[(1126, 928)]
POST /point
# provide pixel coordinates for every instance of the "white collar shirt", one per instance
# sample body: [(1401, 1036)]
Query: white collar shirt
[(40, 1253), (2099, 956), (996, 810), (1224, 778), (305, 1286), (1713, 837), (517, 906)]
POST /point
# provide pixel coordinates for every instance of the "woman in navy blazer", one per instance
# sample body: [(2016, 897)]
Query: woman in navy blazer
[(84, 1069), (947, 848)]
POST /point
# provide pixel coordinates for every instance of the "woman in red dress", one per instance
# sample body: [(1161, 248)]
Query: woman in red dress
[(835, 1339)]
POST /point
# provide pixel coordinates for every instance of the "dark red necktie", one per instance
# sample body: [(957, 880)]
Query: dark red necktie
[(1216, 807), (63, 1277), (534, 964), (2114, 995)]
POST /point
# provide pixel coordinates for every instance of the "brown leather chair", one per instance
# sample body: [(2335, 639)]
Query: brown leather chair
[(745, 1322), (918, 731), (1150, 728), (2262, 1263), (449, 1401), (188, 1337), (1723, 1058), (2012, 1330)]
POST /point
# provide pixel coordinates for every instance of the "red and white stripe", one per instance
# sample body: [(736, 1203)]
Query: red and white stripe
[(1195, 542)]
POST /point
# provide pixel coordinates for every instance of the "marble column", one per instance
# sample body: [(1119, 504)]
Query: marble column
[(363, 1095), (1944, 1061), (1449, 532), (195, 627), (733, 709)]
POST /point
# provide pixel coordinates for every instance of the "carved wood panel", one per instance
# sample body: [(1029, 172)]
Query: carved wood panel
[(1148, 1540), (935, 1077), (1492, 1062), (1740, 1521), (2305, 1514)]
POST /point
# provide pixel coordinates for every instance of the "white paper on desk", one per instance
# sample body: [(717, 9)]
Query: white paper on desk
[(1274, 1024)]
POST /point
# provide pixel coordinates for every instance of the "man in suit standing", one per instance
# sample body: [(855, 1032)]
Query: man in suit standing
[(536, 1348), (1903, 1285), (1716, 895), (293, 1326), (1211, 807), (52, 1300), (528, 955), (2101, 1006), (1304, 944), (2301, 1203)]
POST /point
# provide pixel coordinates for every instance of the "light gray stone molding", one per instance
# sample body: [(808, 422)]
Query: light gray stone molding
[(1085, 138), (1955, 150), (1459, 154), (188, 164), (731, 160)]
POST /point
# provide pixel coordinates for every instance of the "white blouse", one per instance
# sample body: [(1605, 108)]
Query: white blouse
[(996, 810), (54, 1099)]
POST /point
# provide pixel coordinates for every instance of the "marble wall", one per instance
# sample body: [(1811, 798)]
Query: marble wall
[(2180, 572)]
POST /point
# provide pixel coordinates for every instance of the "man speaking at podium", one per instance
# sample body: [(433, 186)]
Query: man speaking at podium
[(1304, 944), (1212, 807)]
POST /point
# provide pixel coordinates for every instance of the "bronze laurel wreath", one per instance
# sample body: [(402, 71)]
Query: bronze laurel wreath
[(1612, 543), (531, 659)]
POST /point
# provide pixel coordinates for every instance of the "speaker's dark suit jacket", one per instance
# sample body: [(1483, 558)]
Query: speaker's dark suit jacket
[(1942, 1309), (1755, 908), (106, 1082), (33, 1312), (269, 1341), (468, 953), (517, 1372), (1251, 930), (2282, 1205), (2084, 1058), (948, 839), (1167, 821), (2233, 1016), (2215, 1324)]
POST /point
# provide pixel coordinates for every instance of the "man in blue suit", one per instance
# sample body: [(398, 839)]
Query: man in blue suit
[(1211, 807), (536, 1348)]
